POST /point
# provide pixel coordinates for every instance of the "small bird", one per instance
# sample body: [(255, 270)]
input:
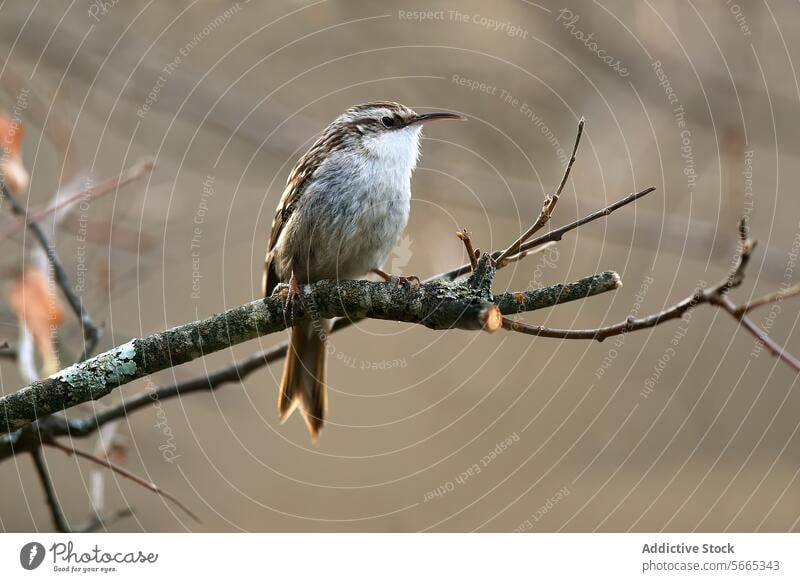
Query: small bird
[(344, 207)]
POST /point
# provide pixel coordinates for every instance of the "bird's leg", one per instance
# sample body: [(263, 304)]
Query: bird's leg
[(294, 294), (412, 281)]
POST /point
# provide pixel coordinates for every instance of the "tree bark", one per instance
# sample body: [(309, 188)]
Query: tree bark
[(467, 305)]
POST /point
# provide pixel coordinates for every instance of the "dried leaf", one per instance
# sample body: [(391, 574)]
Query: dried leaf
[(34, 301), (11, 168)]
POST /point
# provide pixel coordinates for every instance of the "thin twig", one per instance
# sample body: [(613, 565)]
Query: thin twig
[(91, 332), (551, 236), (519, 256), (102, 520), (707, 295), (549, 204), (767, 299), (555, 235), (761, 336), (124, 473), (714, 295), (463, 236), (59, 519), (601, 333)]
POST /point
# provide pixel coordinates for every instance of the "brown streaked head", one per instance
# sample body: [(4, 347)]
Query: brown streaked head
[(382, 116)]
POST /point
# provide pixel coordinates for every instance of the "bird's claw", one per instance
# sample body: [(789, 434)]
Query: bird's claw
[(291, 294), (411, 281), (281, 290)]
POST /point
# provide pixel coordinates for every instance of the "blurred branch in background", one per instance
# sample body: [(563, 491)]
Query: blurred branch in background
[(33, 296), (91, 332), (107, 186), (104, 462), (96, 520)]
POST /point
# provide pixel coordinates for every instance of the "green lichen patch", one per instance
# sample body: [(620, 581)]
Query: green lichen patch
[(102, 373)]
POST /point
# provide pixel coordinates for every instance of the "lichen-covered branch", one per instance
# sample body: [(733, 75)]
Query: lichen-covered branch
[(511, 303), (469, 305)]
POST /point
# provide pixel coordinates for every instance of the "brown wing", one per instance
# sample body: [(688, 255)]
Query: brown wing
[(295, 186)]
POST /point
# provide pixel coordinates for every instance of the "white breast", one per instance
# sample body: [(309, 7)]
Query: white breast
[(385, 197), (380, 200), (396, 150), (356, 208)]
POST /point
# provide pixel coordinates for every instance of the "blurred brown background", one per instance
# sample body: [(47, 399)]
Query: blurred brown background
[(229, 94)]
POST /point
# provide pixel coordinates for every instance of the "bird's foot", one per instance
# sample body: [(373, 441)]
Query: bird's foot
[(411, 281), (293, 296)]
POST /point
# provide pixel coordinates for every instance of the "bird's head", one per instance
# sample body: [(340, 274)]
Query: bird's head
[(386, 130)]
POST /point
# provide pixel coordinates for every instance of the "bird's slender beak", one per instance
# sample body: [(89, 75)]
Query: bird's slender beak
[(434, 116)]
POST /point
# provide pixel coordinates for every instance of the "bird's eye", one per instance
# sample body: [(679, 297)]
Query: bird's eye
[(387, 121)]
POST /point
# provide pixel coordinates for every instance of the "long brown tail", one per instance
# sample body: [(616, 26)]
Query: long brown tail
[(303, 381)]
